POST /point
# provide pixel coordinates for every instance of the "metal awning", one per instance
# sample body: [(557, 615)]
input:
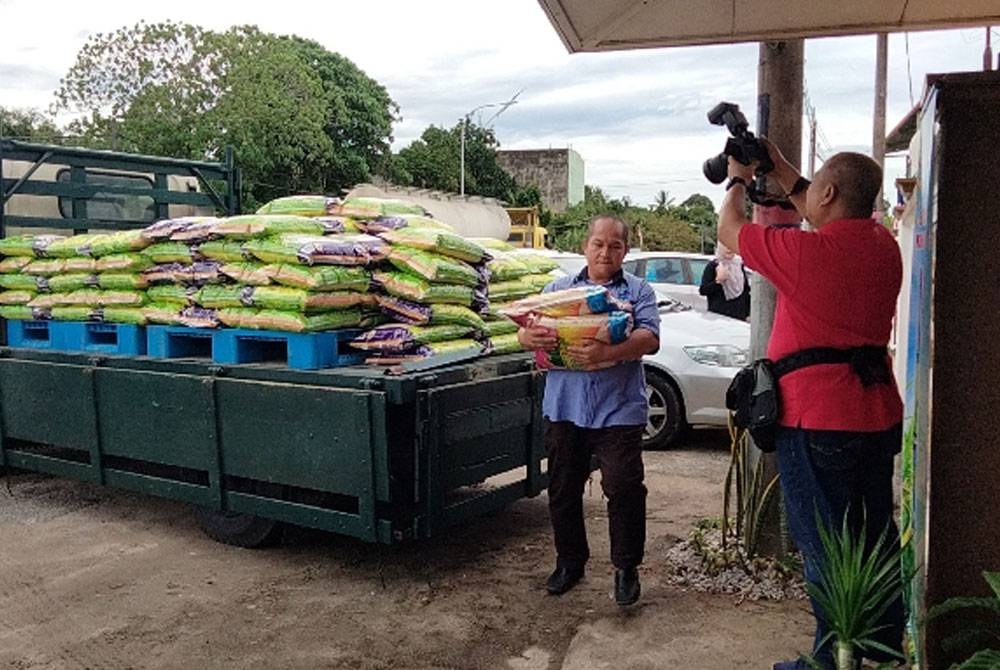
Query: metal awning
[(609, 25)]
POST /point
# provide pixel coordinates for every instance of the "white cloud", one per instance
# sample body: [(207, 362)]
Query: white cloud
[(638, 118)]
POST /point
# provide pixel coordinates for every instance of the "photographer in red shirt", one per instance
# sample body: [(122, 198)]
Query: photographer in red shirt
[(838, 430)]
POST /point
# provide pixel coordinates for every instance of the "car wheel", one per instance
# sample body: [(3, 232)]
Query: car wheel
[(665, 421), (239, 530)]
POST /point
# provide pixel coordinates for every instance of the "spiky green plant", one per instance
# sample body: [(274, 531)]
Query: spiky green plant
[(752, 496), (857, 583), (984, 638)]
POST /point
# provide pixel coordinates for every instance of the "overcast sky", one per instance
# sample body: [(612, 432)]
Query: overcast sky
[(636, 118)]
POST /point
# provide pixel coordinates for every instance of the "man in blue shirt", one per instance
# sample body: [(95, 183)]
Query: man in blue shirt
[(599, 413)]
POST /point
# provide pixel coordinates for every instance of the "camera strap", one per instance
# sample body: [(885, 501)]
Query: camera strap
[(869, 362)]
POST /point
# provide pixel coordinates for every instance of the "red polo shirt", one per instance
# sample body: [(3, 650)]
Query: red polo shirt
[(837, 287)]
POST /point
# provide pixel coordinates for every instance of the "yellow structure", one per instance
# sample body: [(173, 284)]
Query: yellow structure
[(526, 230)]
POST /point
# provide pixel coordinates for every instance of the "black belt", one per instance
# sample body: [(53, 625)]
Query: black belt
[(869, 362)]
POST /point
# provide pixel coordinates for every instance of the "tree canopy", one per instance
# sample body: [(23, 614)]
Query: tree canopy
[(434, 161), (27, 124), (299, 118)]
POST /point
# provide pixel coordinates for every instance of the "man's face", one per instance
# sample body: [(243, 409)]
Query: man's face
[(605, 250)]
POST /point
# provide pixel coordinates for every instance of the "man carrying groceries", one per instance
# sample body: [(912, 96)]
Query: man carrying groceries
[(600, 413), (840, 415)]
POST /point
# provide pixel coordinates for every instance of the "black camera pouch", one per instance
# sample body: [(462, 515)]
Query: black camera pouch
[(753, 398)]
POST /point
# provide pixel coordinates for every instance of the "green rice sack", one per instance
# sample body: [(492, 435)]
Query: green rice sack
[(74, 245), (505, 344), (495, 327), (491, 244), (133, 315), (218, 297), (178, 295), (410, 287), (168, 252), (119, 298), (45, 300), (298, 205), (251, 226), (80, 264), (281, 298), (121, 242), (72, 282), (322, 277), (14, 264), (505, 267), (386, 223), (328, 301), (16, 297), (165, 313), (238, 317), (44, 267), (439, 241), (538, 263), (21, 282), (372, 208), (22, 313), (425, 351), (120, 281), (433, 267), (400, 336), (27, 245), (123, 263), (282, 249), (229, 251), (76, 313), (510, 290), (537, 281), (269, 319), (405, 311), (252, 274)]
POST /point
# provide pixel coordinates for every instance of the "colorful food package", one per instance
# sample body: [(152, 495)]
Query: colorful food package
[(538, 263), (433, 267), (299, 205), (73, 282), (230, 251), (253, 274), (119, 281), (132, 315), (22, 282), (79, 264), (123, 263), (492, 244), (195, 233), (270, 319), (16, 297), (505, 344), (44, 267), (576, 301), (27, 245), (400, 337), (610, 328), (162, 230), (321, 278), (438, 241), (173, 294), (426, 351), (169, 252), (121, 242), (406, 311), (254, 226), (14, 264), (410, 287), (24, 313), (198, 317), (386, 223), (505, 267), (513, 289), (75, 313), (372, 208), (164, 313)]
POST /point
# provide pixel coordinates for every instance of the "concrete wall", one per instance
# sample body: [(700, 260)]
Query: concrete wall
[(557, 173)]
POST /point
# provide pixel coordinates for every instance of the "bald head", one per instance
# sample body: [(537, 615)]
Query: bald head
[(618, 221), (858, 180)]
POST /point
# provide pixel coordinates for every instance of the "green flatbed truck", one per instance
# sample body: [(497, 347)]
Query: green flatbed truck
[(351, 450)]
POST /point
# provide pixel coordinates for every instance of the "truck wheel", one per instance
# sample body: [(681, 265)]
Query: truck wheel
[(239, 530), (665, 423)]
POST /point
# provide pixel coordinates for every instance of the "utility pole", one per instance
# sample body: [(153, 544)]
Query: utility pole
[(812, 143), (878, 132), (779, 118)]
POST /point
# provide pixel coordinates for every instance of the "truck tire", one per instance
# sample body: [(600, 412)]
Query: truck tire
[(666, 423), (239, 530)]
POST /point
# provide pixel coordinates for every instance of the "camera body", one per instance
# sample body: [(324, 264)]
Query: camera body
[(742, 145)]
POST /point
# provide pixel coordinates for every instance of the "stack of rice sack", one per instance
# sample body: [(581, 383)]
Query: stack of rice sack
[(574, 314), (433, 289), (93, 277)]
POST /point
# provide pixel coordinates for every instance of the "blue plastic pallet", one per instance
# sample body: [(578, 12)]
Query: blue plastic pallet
[(30, 334), (300, 351), (112, 338)]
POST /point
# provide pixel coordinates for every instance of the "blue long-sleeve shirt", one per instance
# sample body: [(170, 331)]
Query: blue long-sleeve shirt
[(614, 396)]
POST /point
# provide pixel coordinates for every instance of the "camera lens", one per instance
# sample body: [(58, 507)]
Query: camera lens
[(716, 168)]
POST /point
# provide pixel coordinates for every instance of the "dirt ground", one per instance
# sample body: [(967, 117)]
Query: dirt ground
[(94, 578)]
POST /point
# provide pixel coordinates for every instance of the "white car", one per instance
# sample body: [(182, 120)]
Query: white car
[(675, 273), (686, 380)]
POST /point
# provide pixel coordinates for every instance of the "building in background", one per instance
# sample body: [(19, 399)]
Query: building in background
[(557, 173)]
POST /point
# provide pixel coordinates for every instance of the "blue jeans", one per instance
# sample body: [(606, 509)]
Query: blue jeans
[(831, 472)]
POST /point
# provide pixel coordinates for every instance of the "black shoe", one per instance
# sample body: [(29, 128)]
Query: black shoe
[(626, 587), (563, 579)]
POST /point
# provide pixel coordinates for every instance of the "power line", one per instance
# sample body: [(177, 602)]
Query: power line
[(909, 67)]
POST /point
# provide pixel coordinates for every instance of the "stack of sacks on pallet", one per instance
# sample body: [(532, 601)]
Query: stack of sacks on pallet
[(574, 314), (434, 291), (91, 277)]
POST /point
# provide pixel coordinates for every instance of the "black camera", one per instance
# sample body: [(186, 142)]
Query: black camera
[(743, 145)]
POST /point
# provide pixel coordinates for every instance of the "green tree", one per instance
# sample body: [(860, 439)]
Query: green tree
[(698, 211), (434, 161), (300, 118), (27, 124)]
